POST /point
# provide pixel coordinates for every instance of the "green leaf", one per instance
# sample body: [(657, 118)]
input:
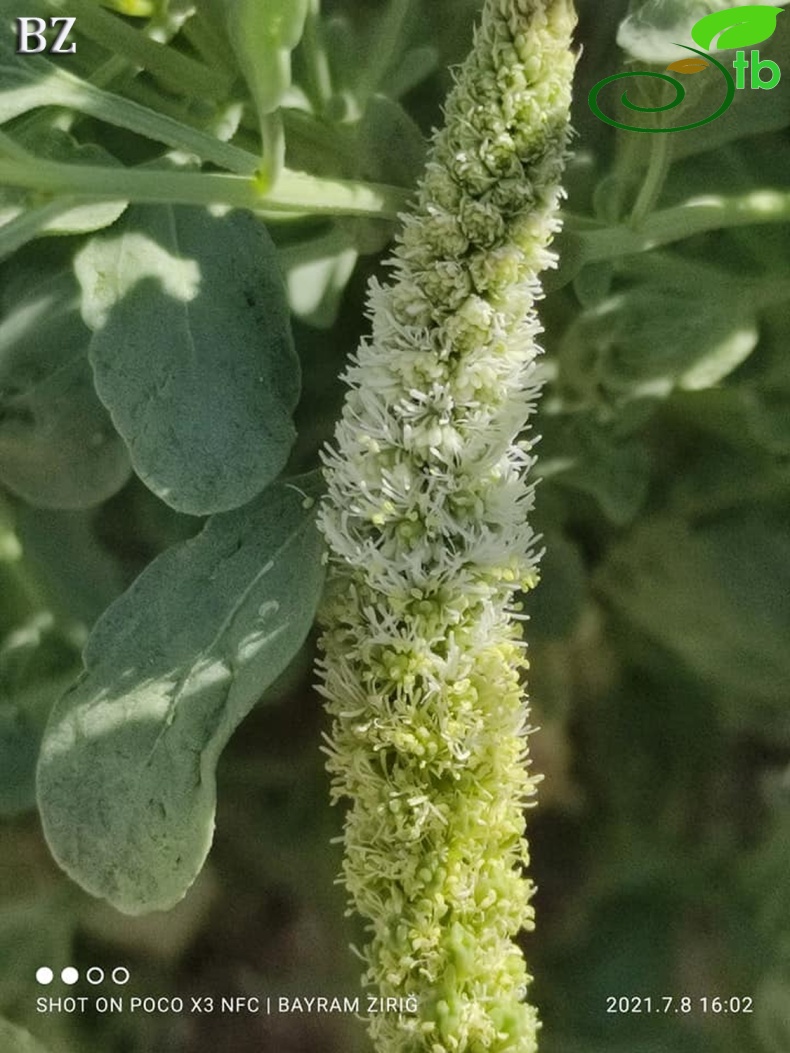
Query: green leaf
[(10, 549), (415, 66), (317, 273), (126, 780), (718, 596), (25, 81), (391, 147), (36, 665), (578, 453), (739, 27), (57, 145), (58, 448), (25, 225), (28, 82), (763, 870), (80, 575), (192, 352), (752, 114), (14, 1039), (555, 607), (653, 28), (767, 419), (263, 37), (631, 346), (133, 8)]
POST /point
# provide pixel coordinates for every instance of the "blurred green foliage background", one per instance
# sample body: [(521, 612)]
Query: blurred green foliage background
[(659, 636)]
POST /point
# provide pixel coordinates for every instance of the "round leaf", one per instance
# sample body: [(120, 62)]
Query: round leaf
[(192, 352)]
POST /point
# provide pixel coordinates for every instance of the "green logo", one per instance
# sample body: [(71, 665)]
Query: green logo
[(738, 27)]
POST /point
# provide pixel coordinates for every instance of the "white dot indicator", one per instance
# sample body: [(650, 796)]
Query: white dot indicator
[(69, 975), (44, 975)]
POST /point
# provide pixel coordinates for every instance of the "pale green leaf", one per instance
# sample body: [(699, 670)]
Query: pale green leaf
[(28, 82), (126, 779), (57, 145), (630, 345), (392, 149), (579, 454), (652, 29), (192, 352), (25, 225), (37, 664), (81, 575), (317, 273), (35, 930)]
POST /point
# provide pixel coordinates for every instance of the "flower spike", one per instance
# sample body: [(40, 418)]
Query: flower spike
[(428, 546)]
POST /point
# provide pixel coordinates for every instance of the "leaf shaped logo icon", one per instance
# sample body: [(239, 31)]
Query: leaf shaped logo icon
[(688, 65), (738, 27)]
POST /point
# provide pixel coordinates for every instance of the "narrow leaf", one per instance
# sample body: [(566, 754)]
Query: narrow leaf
[(28, 82), (192, 353), (126, 779)]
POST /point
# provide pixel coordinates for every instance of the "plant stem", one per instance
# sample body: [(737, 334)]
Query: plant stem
[(716, 211), (273, 145), (316, 59), (294, 191), (657, 168), (695, 216)]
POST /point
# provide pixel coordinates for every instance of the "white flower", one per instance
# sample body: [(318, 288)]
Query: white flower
[(426, 524)]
